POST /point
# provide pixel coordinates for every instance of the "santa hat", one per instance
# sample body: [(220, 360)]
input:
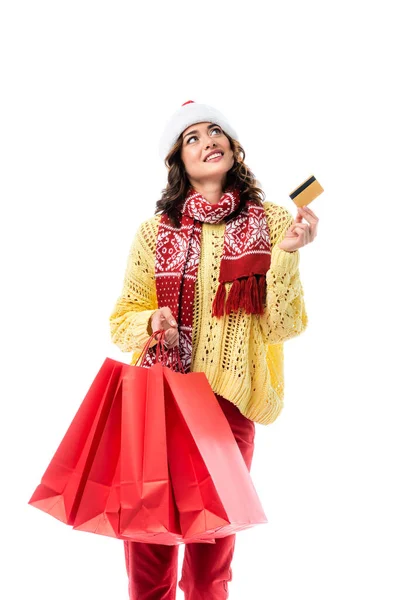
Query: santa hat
[(188, 114)]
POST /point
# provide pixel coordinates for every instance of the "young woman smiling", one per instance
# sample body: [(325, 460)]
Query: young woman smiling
[(217, 268)]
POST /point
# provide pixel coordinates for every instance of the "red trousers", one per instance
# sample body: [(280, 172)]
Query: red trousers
[(206, 570)]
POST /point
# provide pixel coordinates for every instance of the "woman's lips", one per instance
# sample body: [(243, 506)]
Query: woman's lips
[(216, 159)]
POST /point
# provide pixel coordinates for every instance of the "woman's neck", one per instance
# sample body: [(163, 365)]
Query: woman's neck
[(210, 191)]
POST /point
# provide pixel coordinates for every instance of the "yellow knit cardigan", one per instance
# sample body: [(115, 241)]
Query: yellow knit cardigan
[(241, 354)]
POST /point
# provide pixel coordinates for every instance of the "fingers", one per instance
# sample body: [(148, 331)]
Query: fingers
[(171, 338), (303, 232), (163, 319), (311, 218), (167, 317), (308, 210)]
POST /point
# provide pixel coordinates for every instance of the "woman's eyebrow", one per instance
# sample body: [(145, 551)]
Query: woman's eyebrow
[(197, 131)]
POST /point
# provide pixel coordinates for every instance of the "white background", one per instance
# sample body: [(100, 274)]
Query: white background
[(311, 88)]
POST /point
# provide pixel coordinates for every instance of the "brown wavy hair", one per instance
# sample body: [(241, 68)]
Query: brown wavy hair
[(174, 194)]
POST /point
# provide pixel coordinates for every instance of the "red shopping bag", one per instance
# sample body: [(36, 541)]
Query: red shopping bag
[(139, 495), (63, 482), (212, 485), (158, 522), (97, 507)]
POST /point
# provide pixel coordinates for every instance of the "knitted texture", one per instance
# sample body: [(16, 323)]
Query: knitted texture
[(241, 354)]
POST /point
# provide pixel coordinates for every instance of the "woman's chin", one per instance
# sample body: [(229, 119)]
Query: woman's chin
[(220, 168)]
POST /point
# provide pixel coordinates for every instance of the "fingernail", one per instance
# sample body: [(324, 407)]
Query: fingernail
[(172, 322)]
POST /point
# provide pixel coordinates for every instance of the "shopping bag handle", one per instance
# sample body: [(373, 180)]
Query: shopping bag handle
[(165, 357)]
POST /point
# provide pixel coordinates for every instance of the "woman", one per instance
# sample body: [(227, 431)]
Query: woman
[(217, 269)]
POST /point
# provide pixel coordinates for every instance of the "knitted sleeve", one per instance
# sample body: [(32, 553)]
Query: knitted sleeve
[(286, 314), (130, 318)]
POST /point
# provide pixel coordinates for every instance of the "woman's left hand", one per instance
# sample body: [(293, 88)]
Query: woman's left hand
[(299, 234)]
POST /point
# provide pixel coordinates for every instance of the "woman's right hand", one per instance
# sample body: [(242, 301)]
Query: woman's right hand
[(163, 318)]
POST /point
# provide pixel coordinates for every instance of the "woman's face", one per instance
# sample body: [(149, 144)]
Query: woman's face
[(199, 141)]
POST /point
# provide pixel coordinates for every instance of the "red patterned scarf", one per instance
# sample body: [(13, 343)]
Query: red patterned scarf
[(245, 260)]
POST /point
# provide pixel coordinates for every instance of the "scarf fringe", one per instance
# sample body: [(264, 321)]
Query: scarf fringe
[(247, 293), (219, 300), (233, 301)]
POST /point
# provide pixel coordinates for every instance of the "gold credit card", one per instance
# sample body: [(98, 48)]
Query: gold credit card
[(306, 192)]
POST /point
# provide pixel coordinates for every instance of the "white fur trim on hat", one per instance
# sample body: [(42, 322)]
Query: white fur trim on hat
[(188, 114)]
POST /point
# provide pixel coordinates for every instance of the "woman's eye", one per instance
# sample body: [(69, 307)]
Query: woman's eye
[(195, 136)]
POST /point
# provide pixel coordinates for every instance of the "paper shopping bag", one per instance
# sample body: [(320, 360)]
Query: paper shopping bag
[(213, 489), (99, 504), (64, 480), (148, 509), (145, 476)]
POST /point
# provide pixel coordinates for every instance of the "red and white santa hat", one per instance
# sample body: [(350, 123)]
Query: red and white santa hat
[(188, 114)]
